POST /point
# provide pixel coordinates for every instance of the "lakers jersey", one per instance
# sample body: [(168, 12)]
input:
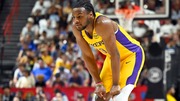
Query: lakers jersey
[(125, 43)]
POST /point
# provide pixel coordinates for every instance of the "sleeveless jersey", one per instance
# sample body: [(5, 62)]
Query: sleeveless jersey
[(126, 45)]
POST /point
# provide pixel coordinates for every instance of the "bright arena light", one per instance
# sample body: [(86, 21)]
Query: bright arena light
[(111, 1), (145, 6)]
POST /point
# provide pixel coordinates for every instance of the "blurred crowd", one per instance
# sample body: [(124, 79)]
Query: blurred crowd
[(50, 57), (49, 54)]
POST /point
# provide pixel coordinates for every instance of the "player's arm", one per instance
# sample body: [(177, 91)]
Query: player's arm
[(87, 55), (106, 29)]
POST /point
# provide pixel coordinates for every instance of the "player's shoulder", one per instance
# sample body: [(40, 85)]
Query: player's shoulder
[(103, 20)]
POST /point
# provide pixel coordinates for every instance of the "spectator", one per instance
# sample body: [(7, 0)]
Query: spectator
[(40, 81), (48, 26), (104, 7), (7, 96), (71, 54), (53, 14), (16, 99), (18, 73), (174, 42), (30, 55), (58, 81), (170, 94), (37, 16), (18, 96), (36, 63), (67, 9), (22, 52), (53, 50), (42, 72), (41, 5), (27, 80), (78, 61), (63, 41), (59, 96), (65, 75), (167, 28), (175, 10), (83, 74), (29, 29), (40, 94), (80, 97), (26, 44), (61, 61), (75, 80), (46, 57), (43, 36)]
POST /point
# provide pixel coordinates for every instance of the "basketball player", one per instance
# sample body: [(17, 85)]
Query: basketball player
[(124, 55)]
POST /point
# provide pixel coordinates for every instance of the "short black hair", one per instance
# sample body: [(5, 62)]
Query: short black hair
[(57, 91), (85, 4)]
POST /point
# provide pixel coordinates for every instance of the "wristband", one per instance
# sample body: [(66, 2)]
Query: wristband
[(99, 83)]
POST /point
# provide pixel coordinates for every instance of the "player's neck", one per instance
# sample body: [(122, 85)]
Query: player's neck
[(90, 27)]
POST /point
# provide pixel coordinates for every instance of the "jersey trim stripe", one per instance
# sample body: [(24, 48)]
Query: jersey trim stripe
[(121, 38), (132, 79)]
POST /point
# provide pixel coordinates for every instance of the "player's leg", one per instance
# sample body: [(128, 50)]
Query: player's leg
[(129, 74), (106, 77), (133, 65), (106, 74), (124, 95)]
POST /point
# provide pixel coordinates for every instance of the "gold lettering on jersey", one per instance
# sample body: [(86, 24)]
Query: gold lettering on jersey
[(97, 44), (102, 50)]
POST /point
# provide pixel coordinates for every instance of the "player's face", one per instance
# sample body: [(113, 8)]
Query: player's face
[(80, 18)]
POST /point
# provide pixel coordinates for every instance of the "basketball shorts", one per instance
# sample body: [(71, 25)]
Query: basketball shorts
[(130, 69)]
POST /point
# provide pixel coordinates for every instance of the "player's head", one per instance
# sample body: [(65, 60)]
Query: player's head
[(83, 12)]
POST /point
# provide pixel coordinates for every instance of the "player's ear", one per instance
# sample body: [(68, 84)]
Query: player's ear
[(91, 14)]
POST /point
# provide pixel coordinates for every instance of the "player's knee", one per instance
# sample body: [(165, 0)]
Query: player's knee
[(120, 97)]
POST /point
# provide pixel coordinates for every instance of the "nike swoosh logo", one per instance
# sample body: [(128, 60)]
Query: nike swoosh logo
[(128, 62)]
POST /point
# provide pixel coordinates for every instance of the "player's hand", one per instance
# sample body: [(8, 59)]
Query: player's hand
[(108, 96), (115, 90), (101, 91)]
